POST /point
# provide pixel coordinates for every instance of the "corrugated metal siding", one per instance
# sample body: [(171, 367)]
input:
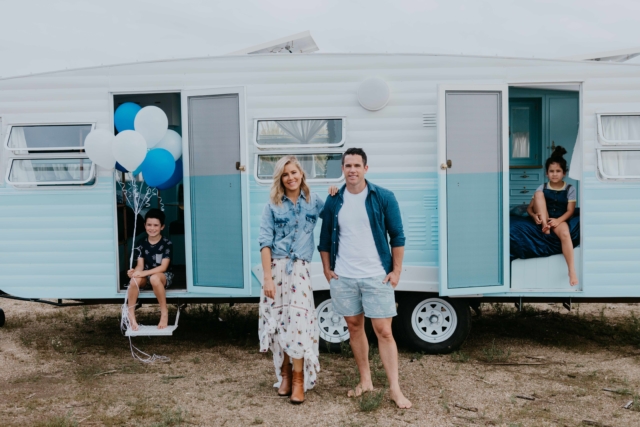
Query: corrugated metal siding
[(398, 145)]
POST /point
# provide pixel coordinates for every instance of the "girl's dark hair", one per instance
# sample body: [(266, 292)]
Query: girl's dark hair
[(556, 157)]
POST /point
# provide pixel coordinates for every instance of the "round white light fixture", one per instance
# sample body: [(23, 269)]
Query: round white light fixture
[(373, 94)]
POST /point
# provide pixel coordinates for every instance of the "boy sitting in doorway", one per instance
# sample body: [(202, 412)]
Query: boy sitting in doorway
[(152, 267)]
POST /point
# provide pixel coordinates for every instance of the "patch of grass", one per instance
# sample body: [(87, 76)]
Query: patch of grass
[(495, 354), (88, 372), (58, 421), (171, 418), (444, 401), (371, 400), (349, 378), (257, 421), (459, 357), (635, 406), (196, 360), (345, 350)]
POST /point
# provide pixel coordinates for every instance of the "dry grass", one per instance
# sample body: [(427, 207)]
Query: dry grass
[(72, 367)]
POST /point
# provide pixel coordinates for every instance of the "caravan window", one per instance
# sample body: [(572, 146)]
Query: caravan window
[(319, 167), (47, 137), (51, 171), (619, 129), (619, 164), (300, 133)]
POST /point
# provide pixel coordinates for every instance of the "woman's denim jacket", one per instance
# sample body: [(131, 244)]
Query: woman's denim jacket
[(288, 229)]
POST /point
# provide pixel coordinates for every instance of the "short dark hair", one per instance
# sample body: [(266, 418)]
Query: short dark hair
[(557, 157), (355, 152), (155, 214)]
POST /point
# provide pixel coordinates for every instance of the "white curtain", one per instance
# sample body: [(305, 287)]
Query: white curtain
[(520, 145), (621, 128), (621, 163), (575, 166), (302, 130)]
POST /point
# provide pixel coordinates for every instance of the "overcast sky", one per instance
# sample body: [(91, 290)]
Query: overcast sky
[(46, 35)]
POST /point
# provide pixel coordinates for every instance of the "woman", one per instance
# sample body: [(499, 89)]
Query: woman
[(288, 323)]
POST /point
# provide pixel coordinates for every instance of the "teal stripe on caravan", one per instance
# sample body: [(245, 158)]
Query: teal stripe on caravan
[(216, 223)]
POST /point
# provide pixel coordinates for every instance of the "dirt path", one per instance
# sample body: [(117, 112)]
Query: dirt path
[(544, 366)]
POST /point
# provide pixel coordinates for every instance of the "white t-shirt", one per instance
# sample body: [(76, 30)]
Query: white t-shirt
[(357, 254)]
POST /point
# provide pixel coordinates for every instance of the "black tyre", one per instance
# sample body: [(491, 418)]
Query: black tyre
[(333, 327), (1, 318), (434, 324)]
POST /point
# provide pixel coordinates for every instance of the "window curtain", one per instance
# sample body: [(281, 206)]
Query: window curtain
[(621, 128), (520, 145), (621, 163), (302, 130)]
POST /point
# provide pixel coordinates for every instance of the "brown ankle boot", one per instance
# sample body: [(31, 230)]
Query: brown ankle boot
[(285, 385), (297, 387)]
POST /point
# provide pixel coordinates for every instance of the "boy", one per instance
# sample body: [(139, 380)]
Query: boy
[(152, 267)]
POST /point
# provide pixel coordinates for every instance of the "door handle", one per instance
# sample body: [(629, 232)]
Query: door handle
[(445, 166), (240, 168)]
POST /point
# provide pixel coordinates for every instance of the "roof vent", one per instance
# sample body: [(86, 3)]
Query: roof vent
[(429, 120)]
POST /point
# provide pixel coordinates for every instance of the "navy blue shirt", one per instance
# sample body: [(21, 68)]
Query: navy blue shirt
[(384, 218)]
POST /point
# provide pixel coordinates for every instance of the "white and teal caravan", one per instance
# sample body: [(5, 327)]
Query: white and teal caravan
[(458, 139)]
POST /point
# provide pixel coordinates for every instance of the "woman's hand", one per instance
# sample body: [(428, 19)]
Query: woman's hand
[(269, 288), (554, 222), (537, 219), (333, 190)]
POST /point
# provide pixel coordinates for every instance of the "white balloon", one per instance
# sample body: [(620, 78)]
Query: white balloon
[(172, 142), (98, 146), (152, 123), (129, 149)]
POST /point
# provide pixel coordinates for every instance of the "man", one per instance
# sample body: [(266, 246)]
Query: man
[(361, 269)]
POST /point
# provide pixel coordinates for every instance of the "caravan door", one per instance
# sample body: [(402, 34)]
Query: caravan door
[(215, 191), (473, 204)]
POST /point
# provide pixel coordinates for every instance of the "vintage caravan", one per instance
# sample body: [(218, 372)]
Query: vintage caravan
[(460, 140)]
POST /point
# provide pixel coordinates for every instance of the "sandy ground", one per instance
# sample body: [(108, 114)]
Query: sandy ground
[(71, 366)]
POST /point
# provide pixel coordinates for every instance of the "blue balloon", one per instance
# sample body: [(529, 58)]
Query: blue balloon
[(125, 115), (157, 167), (121, 168), (175, 178)]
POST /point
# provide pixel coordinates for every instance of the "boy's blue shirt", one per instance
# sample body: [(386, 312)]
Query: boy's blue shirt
[(288, 229), (384, 218)]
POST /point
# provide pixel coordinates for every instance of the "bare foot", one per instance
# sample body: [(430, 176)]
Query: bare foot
[(360, 388), (132, 320), (573, 279), (401, 401), (164, 319)]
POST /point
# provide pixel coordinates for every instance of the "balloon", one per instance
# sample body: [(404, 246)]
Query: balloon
[(120, 168), (125, 115), (158, 167), (175, 178), (129, 149), (152, 123), (172, 142), (98, 146)]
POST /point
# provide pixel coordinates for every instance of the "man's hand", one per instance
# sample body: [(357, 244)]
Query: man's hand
[(138, 274), (393, 277), (130, 273), (329, 274), (269, 288)]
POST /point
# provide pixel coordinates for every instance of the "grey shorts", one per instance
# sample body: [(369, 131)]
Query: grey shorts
[(351, 297), (169, 277)]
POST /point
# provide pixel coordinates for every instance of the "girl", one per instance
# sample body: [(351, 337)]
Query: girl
[(288, 324), (553, 204)]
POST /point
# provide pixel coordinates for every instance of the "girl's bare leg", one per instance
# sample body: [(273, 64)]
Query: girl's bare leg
[(540, 207), (562, 231)]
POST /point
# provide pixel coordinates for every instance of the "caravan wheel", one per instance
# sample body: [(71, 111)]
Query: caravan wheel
[(1, 318), (333, 327), (435, 325)]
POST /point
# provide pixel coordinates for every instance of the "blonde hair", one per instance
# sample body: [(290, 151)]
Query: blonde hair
[(277, 189)]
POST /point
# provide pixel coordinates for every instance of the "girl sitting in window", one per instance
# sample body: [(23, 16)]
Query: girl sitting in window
[(553, 204)]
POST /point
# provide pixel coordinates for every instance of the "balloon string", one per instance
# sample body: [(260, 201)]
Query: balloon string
[(160, 203)]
